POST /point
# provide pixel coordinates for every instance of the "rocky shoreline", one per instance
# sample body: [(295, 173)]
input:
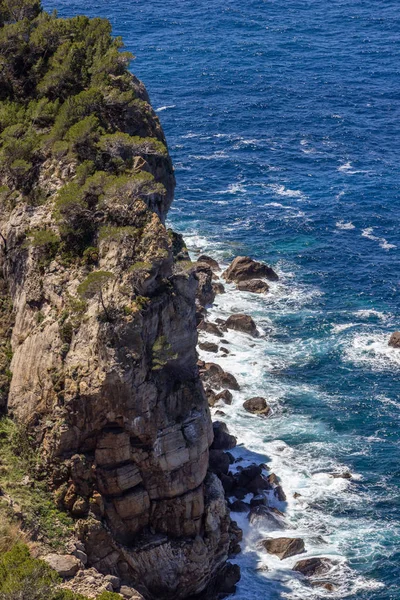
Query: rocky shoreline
[(248, 489)]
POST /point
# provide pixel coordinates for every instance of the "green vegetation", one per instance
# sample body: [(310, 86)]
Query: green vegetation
[(6, 323), (23, 577), (66, 95), (93, 286), (162, 353), (22, 478)]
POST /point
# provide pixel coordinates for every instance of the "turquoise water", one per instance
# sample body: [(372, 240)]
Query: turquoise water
[(283, 122)]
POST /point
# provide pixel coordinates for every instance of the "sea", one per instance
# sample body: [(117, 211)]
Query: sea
[(283, 122)]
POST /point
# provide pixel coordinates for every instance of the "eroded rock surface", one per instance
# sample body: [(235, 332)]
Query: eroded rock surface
[(108, 384)]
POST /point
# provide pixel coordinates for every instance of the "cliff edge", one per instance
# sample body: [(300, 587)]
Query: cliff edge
[(97, 310)]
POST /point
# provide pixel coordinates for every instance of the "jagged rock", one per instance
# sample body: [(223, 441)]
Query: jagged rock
[(179, 249), (326, 585), (222, 438), (218, 288), (265, 515), (296, 495), (227, 579), (258, 500), (205, 293), (235, 536), (343, 475), (225, 396), (313, 566), (66, 565), (243, 323), (113, 382), (209, 327), (279, 493), (219, 462), (214, 375), (130, 593), (244, 268), (239, 506), (208, 346), (211, 262), (283, 547), (211, 397), (394, 340), (273, 479), (115, 581), (256, 286), (257, 406)]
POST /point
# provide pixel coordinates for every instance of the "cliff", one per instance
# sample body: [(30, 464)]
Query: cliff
[(98, 359)]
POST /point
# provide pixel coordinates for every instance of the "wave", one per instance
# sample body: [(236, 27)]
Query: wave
[(383, 243), (342, 225), (165, 107), (281, 190), (372, 350)]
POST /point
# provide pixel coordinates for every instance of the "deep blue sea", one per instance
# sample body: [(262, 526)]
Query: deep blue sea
[(283, 121)]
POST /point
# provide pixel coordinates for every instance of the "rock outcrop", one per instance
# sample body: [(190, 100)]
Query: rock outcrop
[(394, 340), (244, 268), (284, 547), (104, 364), (243, 323)]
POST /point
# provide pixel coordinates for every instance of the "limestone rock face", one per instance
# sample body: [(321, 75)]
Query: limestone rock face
[(109, 386)]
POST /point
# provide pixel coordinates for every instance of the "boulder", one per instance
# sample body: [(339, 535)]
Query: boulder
[(225, 396), (243, 323), (211, 398), (256, 286), (343, 475), (244, 268), (130, 593), (210, 328), (224, 350), (258, 500), (222, 438), (283, 547), (313, 566), (257, 406), (226, 580), (66, 565), (214, 375), (394, 341), (239, 506), (279, 493), (265, 516), (219, 462), (211, 262), (208, 346), (218, 288)]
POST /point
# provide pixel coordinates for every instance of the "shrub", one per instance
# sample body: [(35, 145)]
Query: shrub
[(162, 353), (93, 286)]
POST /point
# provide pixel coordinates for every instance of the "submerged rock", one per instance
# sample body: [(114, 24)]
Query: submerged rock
[(244, 268), (225, 396), (313, 566), (256, 286), (257, 406), (243, 323), (208, 346), (284, 547)]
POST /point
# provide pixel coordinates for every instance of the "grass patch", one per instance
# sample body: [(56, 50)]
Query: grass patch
[(22, 477)]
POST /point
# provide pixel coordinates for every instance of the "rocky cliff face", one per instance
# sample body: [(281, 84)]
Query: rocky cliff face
[(104, 372)]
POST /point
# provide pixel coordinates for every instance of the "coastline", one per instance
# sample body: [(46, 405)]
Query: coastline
[(258, 444)]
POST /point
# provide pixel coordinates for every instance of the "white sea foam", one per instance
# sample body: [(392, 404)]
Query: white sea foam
[(305, 469), (372, 350), (368, 233), (281, 190), (220, 154), (367, 313), (165, 107), (233, 188), (343, 225)]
